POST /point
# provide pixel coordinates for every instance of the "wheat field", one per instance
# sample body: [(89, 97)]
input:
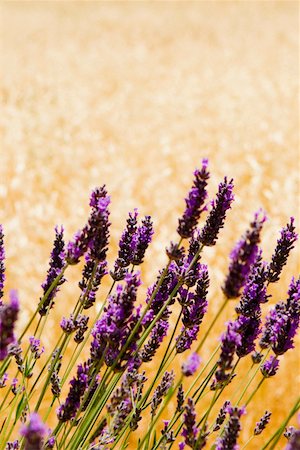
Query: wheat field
[(134, 95)]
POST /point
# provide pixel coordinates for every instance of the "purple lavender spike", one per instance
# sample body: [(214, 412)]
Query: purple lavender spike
[(190, 432), (190, 366), (161, 391), (284, 245), (157, 335), (79, 384), (262, 423), (127, 246), (143, 238), (56, 264), (242, 258), (94, 235), (194, 202), (2, 267), (228, 441), (34, 433), (8, 317), (216, 218)]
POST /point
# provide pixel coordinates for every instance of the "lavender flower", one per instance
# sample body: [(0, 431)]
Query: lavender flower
[(190, 366), (56, 265), (294, 441), (256, 357), (2, 267), (216, 218), (68, 325), (127, 245), (79, 384), (8, 318), (13, 445), (94, 235), (262, 423), (34, 433), (190, 429), (194, 306), (284, 245), (269, 367), (242, 257), (221, 416), (228, 441), (282, 322), (92, 275), (229, 342), (194, 202), (35, 347), (175, 252), (82, 326), (161, 391), (180, 399), (111, 331), (249, 329), (158, 332), (143, 238)]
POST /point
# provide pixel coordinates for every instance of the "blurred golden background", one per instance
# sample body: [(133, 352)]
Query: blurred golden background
[(134, 95)]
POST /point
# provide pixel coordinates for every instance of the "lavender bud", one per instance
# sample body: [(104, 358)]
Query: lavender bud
[(174, 252), (35, 348), (262, 423), (2, 267), (289, 431), (15, 350), (216, 218), (269, 367), (81, 324), (194, 202), (284, 245), (34, 433), (8, 317), (68, 325), (92, 275), (13, 445), (55, 383), (190, 366), (242, 258), (161, 391), (14, 385), (294, 441), (256, 357), (158, 332)]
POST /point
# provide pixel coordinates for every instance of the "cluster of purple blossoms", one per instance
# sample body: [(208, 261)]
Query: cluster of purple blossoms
[(112, 330), (34, 433), (221, 416), (229, 342), (161, 391), (269, 367), (194, 306), (282, 322), (2, 267), (194, 202), (56, 265), (35, 347), (94, 235), (284, 245), (158, 332), (242, 258), (262, 423), (228, 441), (216, 218), (69, 325), (8, 317), (79, 385)]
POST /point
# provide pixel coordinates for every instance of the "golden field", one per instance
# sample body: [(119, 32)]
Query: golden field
[(134, 95)]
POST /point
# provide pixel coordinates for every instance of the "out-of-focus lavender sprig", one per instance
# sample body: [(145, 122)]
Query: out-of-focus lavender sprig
[(190, 366), (270, 367), (284, 245), (2, 266), (216, 218), (8, 317), (228, 441), (262, 423), (34, 433), (94, 235), (242, 257), (194, 202), (56, 264)]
